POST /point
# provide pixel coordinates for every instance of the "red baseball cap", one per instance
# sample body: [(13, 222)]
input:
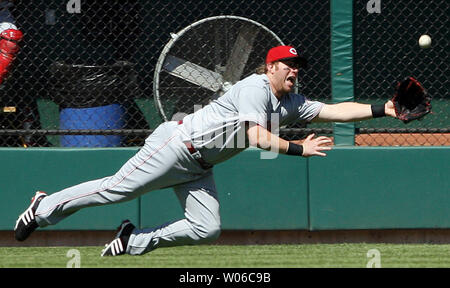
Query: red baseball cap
[(280, 53)]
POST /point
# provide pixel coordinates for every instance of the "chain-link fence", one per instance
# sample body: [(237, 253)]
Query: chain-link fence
[(89, 67), (386, 50), (104, 73)]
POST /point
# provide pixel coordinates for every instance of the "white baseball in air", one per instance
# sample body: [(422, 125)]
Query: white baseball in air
[(425, 41)]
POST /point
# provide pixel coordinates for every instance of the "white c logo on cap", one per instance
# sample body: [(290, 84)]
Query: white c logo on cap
[(293, 51)]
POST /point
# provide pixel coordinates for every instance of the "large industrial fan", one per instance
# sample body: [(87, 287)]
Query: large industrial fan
[(203, 60)]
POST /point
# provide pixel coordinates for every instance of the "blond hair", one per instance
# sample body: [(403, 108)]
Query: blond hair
[(261, 69)]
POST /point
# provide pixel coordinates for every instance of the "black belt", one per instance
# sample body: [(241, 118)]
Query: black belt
[(196, 154)]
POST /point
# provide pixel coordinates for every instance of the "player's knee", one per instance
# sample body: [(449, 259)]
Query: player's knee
[(213, 232), (208, 232)]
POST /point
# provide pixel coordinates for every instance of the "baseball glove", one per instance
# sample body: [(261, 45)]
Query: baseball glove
[(411, 101)]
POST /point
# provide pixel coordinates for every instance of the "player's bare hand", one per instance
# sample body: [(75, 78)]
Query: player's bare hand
[(389, 109), (316, 146)]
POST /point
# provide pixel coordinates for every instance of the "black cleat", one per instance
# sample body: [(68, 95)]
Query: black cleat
[(119, 245), (26, 223)]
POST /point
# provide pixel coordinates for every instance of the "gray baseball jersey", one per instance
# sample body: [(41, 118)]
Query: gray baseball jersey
[(218, 126), (216, 132)]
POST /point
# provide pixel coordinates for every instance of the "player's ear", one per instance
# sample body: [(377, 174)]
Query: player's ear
[(271, 67)]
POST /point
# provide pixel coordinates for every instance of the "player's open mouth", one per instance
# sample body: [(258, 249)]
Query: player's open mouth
[(291, 79)]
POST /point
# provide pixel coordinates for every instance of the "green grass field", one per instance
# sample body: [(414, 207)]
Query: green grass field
[(249, 256)]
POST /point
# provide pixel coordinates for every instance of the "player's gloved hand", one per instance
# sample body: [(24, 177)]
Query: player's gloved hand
[(411, 101), (314, 146)]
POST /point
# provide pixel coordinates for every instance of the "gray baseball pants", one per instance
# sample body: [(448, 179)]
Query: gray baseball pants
[(164, 161)]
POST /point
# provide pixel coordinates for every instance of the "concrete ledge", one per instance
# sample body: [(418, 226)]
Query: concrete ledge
[(235, 237)]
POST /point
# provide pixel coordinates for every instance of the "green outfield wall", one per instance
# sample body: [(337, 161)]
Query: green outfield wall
[(351, 188)]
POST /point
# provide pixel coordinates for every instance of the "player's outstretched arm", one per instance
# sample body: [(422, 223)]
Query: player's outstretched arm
[(353, 111), (410, 102)]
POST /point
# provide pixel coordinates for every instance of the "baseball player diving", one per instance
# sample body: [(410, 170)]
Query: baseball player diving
[(182, 154)]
